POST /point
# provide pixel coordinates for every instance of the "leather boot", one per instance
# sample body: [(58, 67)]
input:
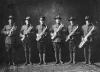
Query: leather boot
[(70, 57), (74, 62), (44, 58), (9, 59), (89, 58), (85, 56), (60, 57), (30, 56), (40, 56), (56, 57), (26, 58)]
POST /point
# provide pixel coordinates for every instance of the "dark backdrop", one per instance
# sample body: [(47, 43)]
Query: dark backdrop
[(48, 8)]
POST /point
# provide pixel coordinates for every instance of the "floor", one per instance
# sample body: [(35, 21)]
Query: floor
[(51, 67)]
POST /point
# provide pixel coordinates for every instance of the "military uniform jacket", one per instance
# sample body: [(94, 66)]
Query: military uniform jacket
[(59, 36), (6, 30), (24, 29), (39, 29), (86, 29), (70, 29)]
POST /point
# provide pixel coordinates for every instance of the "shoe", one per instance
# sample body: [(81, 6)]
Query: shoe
[(45, 63), (61, 62), (69, 62), (30, 63), (56, 62), (74, 62), (40, 63), (9, 64), (14, 64), (85, 62), (89, 63), (26, 64)]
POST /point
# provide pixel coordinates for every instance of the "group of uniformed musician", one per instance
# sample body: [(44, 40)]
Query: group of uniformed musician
[(57, 32)]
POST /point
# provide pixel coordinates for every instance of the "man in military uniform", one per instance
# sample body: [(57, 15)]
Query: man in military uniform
[(57, 32), (9, 31), (42, 33), (72, 39), (88, 45), (25, 32)]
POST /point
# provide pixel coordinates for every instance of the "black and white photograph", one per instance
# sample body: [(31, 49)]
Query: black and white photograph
[(49, 36)]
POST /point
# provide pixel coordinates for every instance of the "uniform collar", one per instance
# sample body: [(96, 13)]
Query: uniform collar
[(42, 24), (89, 25), (73, 25), (58, 23)]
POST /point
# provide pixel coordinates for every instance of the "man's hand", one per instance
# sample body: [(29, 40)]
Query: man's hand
[(82, 38), (91, 39)]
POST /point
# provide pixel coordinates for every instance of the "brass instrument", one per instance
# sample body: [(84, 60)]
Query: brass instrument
[(68, 37), (23, 36), (84, 40), (39, 36), (53, 35), (11, 30)]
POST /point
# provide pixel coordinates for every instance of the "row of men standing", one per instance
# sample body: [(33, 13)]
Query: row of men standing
[(57, 33)]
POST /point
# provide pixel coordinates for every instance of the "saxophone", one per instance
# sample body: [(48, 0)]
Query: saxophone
[(11, 30), (84, 40), (53, 35), (39, 36), (23, 36), (68, 37)]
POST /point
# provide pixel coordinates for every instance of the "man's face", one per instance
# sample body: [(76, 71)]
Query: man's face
[(26, 21), (57, 21), (41, 21), (87, 22), (10, 21), (72, 22)]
